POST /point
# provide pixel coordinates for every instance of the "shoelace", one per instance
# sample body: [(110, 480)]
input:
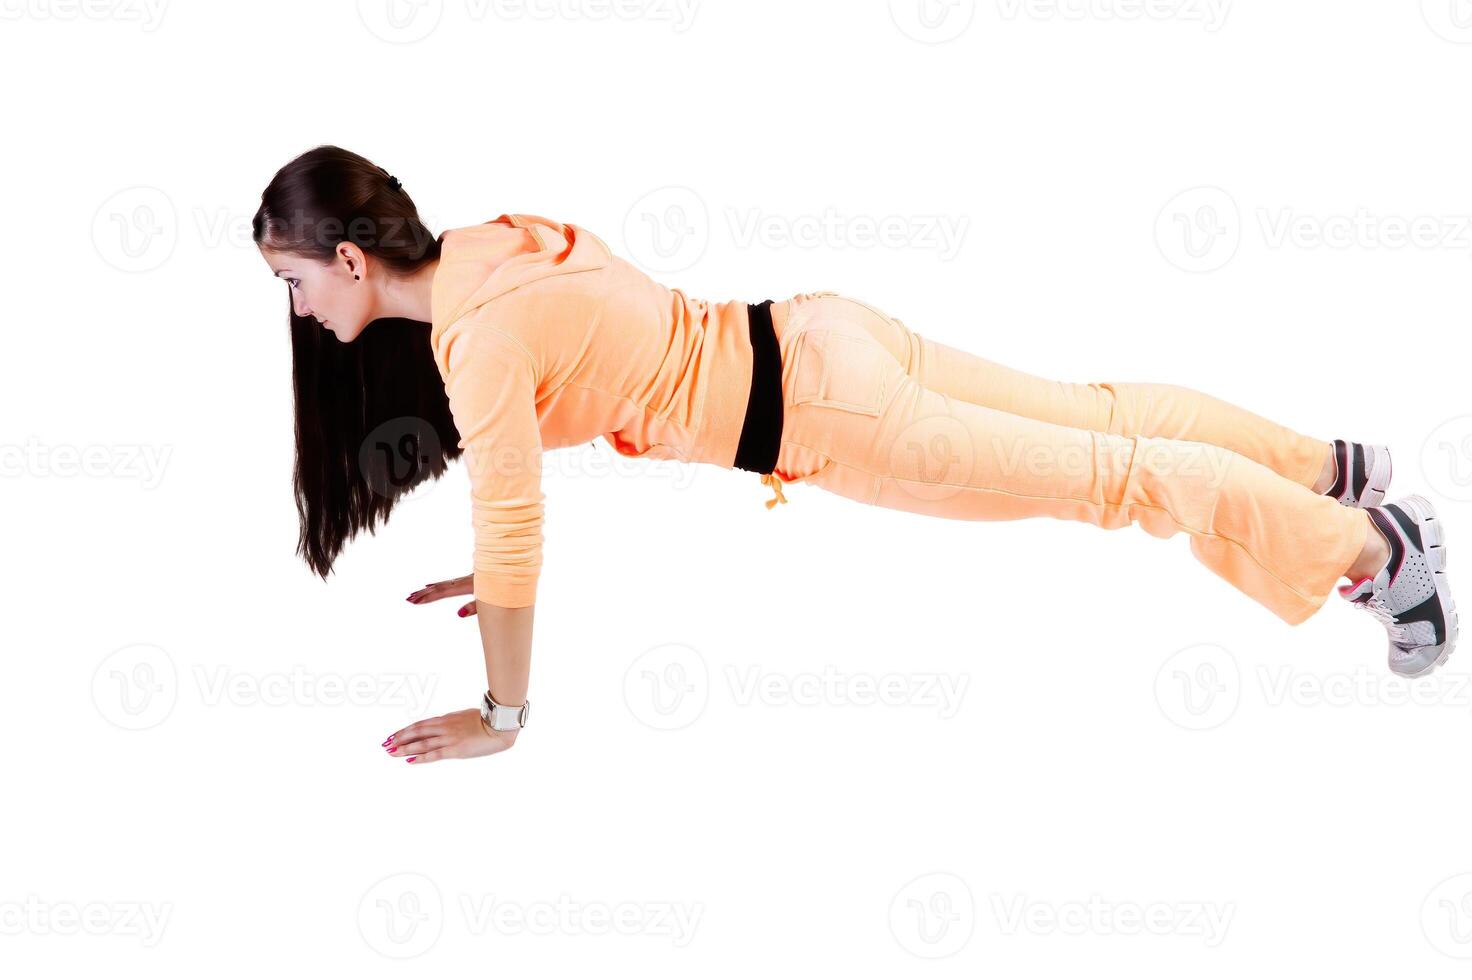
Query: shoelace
[(1376, 607), (775, 482)]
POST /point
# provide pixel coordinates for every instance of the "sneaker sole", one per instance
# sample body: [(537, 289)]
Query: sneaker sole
[(1433, 543)]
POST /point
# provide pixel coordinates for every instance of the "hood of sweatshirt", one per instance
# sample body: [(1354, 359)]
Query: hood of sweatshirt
[(476, 266)]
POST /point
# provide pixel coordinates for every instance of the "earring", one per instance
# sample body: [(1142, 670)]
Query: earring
[(356, 277)]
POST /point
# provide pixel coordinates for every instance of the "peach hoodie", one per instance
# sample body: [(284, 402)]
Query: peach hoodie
[(554, 347)]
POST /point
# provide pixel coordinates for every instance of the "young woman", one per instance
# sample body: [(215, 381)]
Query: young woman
[(507, 338)]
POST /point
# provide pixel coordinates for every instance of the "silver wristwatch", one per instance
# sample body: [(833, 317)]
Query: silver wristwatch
[(503, 717)]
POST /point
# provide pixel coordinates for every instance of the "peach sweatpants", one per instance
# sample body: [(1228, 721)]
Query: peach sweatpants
[(879, 414)]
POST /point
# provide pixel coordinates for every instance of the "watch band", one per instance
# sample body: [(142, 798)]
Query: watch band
[(503, 717)]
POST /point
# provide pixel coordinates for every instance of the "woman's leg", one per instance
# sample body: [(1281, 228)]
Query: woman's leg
[(1137, 408), (857, 424)]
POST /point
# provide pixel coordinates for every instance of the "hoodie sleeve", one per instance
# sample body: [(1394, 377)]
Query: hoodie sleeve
[(492, 384)]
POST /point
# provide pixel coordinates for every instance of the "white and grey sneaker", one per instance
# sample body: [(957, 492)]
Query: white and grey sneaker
[(1361, 474), (1409, 595)]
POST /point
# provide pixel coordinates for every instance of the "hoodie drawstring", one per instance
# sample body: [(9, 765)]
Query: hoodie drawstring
[(775, 482)]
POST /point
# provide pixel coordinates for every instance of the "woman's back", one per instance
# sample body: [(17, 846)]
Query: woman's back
[(557, 345)]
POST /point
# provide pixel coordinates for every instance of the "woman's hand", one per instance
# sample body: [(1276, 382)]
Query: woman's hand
[(465, 585), (457, 735)]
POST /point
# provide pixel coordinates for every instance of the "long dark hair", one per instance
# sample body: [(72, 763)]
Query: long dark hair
[(372, 417)]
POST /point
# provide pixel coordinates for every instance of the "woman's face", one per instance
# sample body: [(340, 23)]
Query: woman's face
[(328, 290)]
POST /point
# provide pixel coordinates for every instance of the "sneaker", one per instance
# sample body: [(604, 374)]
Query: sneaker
[(1361, 474), (1409, 595)]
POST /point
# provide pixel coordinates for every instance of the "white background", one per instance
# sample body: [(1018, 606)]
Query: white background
[(1142, 772)]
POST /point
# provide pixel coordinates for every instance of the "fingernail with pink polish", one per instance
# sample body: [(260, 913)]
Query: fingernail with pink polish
[(411, 758)]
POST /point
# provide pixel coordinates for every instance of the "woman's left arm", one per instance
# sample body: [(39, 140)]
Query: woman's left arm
[(506, 635), (492, 392)]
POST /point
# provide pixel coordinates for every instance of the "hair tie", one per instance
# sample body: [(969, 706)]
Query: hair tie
[(393, 182)]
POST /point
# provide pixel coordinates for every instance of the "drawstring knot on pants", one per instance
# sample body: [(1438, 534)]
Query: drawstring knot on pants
[(775, 482)]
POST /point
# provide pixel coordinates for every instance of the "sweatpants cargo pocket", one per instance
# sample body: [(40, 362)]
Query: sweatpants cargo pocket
[(834, 369)]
